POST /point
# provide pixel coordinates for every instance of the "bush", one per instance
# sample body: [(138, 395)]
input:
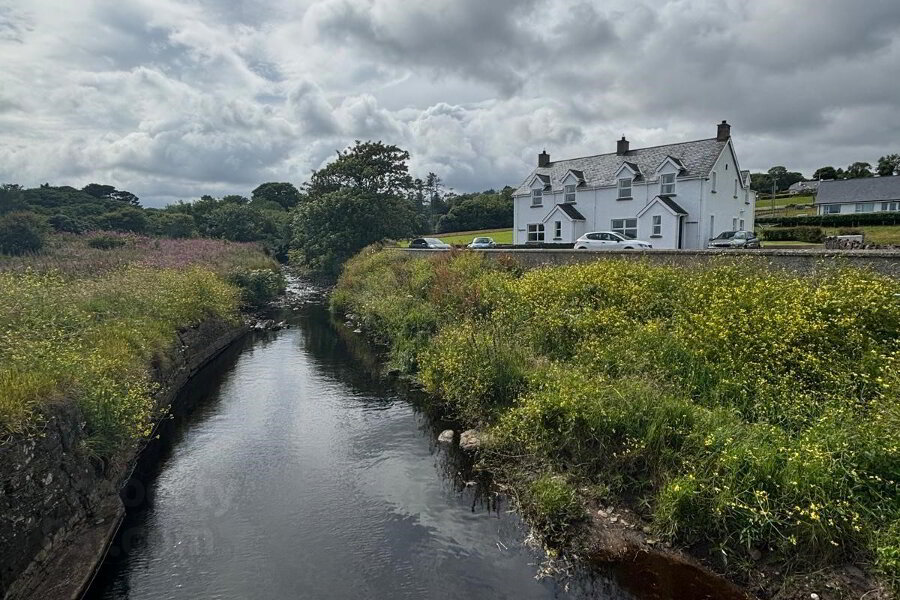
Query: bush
[(106, 242), (21, 233), (258, 286), (848, 220), (848, 231), (813, 235)]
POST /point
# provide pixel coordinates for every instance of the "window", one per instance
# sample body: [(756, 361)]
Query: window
[(715, 179), (742, 225), (657, 225), (735, 187), (746, 196), (537, 197), (667, 184), (712, 226), (734, 223), (570, 193), (557, 230), (890, 206), (626, 227), (864, 207), (536, 232), (831, 209), (624, 188)]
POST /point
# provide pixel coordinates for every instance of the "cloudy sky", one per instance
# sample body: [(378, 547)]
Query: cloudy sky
[(176, 98)]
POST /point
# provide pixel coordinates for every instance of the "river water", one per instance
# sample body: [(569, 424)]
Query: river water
[(292, 471)]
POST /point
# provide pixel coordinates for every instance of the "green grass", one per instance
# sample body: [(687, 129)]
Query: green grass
[(879, 234), (731, 406), (501, 236), (83, 325), (764, 206)]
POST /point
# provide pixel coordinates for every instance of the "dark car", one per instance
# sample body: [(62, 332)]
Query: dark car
[(735, 239), (432, 243)]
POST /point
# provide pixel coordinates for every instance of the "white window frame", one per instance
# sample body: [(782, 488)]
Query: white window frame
[(535, 232), (734, 224), (715, 182), (742, 225), (570, 194), (865, 207), (624, 227), (622, 187), (831, 209), (537, 197), (665, 184), (656, 222), (712, 226), (557, 230), (890, 206)]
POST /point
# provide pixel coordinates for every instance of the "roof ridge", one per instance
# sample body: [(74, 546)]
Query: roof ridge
[(634, 150)]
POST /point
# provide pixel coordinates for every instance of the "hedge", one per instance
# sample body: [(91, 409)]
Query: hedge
[(848, 220), (813, 235)]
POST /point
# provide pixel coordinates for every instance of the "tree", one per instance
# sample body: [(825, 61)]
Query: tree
[(487, 210), (21, 233), (11, 198), (370, 167), (284, 194), (127, 218), (172, 224), (889, 165), (362, 197), (98, 191), (235, 222), (825, 173), (859, 170)]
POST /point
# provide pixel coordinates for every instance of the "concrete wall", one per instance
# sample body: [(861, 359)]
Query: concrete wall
[(59, 505), (801, 261)]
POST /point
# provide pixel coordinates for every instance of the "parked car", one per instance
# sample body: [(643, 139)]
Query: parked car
[(432, 243), (608, 240), (482, 242), (735, 239)]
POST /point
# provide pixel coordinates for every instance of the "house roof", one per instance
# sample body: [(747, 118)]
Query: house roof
[(858, 190), (673, 206), (745, 177), (804, 185), (578, 174), (570, 211), (697, 157)]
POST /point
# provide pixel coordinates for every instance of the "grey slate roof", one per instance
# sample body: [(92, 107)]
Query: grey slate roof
[(804, 186), (697, 157), (673, 205), (571, 211), (858, 190)]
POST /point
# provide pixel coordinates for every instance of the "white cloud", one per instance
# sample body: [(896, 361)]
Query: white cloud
[(173, 99)]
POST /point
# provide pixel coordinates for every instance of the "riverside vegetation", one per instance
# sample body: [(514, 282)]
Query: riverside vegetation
[(83, 320), (738, 410)]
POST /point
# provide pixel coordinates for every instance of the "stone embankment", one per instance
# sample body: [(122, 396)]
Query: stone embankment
[(59, 503)]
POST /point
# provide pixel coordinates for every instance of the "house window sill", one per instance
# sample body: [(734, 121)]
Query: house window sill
[(655, 236), (557, 239), (537, 206), (626, 198)]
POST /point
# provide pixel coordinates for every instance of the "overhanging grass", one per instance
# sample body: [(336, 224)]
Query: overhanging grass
[(735, 407)]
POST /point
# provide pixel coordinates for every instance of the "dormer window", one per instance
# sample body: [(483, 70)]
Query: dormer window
[(570, 193), (667, 184), (624, 188), (537, 197)]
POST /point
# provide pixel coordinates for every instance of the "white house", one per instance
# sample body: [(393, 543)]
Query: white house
[(674, 196), (861, 195)]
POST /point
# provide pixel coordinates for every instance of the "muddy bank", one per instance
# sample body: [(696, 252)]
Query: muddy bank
[(60, 505)]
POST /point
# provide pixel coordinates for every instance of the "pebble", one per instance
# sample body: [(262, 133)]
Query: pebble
[(446, 437)]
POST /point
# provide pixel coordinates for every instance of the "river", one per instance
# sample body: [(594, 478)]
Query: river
[(291, 470)]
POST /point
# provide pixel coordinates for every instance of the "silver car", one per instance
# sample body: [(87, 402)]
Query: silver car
[(431, 243), (735, 239), (482, 242)]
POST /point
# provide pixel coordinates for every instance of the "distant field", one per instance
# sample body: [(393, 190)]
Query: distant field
[(764, 206), (501, 236), (879, 234)]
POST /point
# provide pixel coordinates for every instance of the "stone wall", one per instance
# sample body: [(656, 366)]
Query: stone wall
[(801, 261), (59, 505)]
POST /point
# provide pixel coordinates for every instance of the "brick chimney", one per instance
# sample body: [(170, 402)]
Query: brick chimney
[(622, 147), (724, 131), (543, 159)]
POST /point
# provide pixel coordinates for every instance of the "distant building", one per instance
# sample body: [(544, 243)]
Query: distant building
[(674, 196), (803, 188), (862, 195)]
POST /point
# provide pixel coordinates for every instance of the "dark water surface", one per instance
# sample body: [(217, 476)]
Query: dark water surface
[(293, 472)]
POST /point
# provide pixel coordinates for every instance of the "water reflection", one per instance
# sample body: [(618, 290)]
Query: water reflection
[(290, 470)]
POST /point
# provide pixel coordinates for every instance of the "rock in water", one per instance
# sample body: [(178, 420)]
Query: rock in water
[(446, 437), (468, 440)]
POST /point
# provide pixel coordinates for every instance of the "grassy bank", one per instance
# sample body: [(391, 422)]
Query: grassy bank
[(736, 409), (83, 323)]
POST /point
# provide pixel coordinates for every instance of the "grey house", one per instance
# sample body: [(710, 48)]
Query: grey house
[(803, 187), (863, 195)]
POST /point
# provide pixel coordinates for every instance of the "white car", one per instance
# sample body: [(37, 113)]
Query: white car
[(609, 240)]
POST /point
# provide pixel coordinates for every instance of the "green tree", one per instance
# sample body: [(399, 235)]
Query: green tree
[(371, 167), (858, 170), (21, 233), (98, 191), (172, 224), (127, 218), (284, 194), (889, 165), (487, 210), (235, 222), (11, 198), (825, 173)]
